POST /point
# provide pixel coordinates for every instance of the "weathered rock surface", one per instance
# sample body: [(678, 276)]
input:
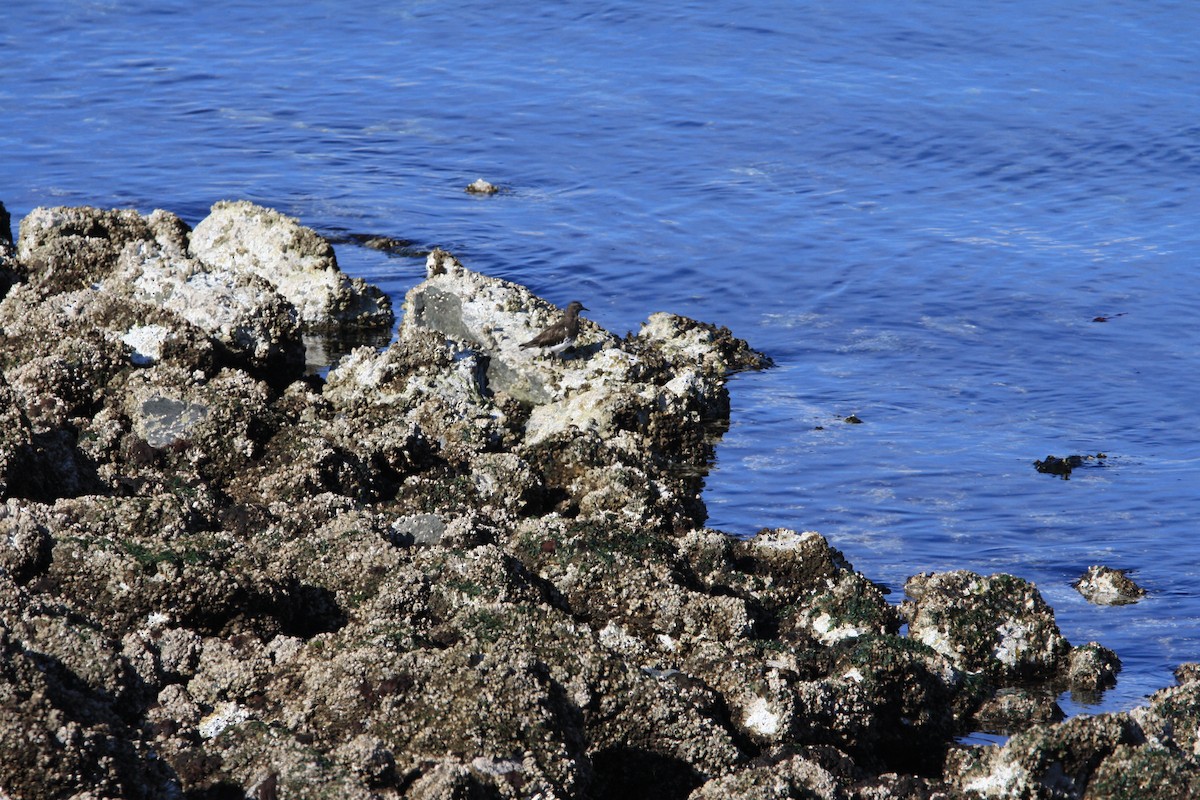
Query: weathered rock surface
[(1148, 752), (1108, 587), (455, 568), (295, 260), (998, 625)]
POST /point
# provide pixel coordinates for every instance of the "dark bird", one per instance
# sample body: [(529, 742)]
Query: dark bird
[(561, 335)]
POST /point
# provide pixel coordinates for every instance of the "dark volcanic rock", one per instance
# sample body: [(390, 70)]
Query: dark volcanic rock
[(8, 273), (1064, 466)]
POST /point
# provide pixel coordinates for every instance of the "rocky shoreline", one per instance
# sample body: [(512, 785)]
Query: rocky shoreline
[(453, 568)]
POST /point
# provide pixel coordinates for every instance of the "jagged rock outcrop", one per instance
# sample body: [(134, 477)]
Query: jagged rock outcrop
[(454, 567)]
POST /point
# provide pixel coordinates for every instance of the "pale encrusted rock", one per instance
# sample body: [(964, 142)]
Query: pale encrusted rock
[(64, 249), (1108, 587), (495, 316), (244, 314), (480, 186), (779, 779), (1044, 761), (585, 421), (295, 260), (120, 290), (997, 624)]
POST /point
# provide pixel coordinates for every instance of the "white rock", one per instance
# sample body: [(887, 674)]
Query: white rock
[(761, 718), (223, 716), (299, 263), (241, 312), (147, 343), (1014, 643)]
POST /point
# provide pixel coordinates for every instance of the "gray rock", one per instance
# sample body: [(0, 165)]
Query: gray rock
[(163, 421), (419, 530)]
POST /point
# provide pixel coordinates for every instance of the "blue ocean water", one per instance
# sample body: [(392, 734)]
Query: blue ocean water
[(917, 209)]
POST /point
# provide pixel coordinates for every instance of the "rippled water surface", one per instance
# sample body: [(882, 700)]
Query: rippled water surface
[(917, 209)]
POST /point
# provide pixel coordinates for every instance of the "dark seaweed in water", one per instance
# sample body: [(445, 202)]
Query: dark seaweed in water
[(1053, 465)]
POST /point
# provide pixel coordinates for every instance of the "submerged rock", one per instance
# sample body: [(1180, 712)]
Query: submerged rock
[(480, 186), (1108, 587), (1064, 466)]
